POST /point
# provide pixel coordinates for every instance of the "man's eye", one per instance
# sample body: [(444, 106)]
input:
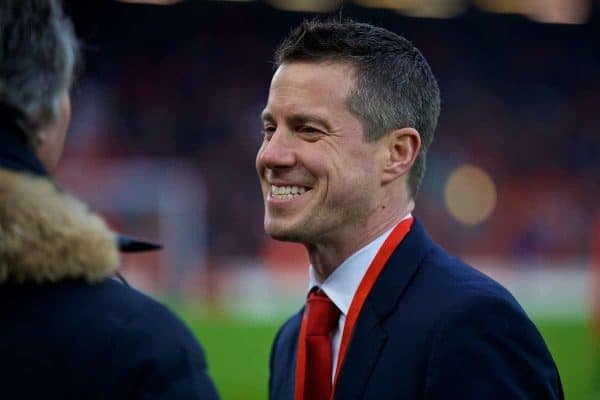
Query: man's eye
[(268, 131), (308, 129)]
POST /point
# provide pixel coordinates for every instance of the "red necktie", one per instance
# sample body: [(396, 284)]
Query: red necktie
[(322, 318)]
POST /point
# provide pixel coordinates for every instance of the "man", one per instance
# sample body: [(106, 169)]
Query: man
[(390, 315), (69, 329)]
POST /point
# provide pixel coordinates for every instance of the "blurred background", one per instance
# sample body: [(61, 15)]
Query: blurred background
[(166, 127)]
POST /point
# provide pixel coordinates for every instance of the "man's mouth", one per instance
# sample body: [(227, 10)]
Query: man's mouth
[(287, 192)]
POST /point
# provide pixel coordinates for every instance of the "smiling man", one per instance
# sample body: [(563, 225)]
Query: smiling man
[(351, 112)]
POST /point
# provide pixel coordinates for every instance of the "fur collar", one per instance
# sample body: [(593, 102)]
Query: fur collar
[(47, 235)]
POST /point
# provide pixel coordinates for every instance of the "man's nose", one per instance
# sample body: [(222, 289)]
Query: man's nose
[(278, 151)]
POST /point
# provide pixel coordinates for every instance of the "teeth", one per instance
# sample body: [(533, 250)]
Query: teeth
[(287, 192)]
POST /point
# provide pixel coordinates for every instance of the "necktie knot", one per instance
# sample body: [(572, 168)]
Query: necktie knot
[(323, 315)]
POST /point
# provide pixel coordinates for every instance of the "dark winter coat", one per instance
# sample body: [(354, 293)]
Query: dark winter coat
[(68, 328)]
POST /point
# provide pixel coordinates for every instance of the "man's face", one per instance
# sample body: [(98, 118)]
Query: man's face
[(320, 178), (53, 135)]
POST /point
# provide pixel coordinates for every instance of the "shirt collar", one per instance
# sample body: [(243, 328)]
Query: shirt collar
[(343, 282)]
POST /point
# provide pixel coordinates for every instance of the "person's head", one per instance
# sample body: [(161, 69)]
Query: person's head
[(351, 112), (38, 55)]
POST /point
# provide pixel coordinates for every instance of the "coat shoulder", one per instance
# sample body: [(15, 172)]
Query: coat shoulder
[(112, 340), (150, 345), (154, 348)]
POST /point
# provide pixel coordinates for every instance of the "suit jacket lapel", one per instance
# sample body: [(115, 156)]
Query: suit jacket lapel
[(364, 349), (283, 372), (399, 271), (369, 337)]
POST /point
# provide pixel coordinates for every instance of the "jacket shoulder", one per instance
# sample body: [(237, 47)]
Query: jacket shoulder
[(500, 352), (451, 281), (112, 340), (150, 351), (480, 326)]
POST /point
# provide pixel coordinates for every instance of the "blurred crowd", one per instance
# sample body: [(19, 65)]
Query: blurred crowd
[(520, 100)]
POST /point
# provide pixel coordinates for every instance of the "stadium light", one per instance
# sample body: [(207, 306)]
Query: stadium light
[(548, 11), (470, 195), (306, 5), (419, 8), (157, 2)]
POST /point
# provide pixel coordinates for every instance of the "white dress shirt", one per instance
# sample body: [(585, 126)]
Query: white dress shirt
[(343, 283)]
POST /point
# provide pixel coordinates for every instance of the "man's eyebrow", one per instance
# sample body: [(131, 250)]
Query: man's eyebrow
[(266, 116), (298, 118)]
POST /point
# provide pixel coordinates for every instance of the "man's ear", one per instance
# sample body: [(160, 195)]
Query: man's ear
[(401, 150)]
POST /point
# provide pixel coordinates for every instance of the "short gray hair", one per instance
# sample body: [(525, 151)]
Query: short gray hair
[(38, 55)]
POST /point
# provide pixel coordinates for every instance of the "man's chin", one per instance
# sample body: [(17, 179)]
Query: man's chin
[(284, 237), (283, 234)]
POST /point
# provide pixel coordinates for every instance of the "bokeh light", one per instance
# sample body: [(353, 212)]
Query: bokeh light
[(470, 195)]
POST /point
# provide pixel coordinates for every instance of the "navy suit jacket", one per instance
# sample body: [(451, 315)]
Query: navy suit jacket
[(432, 328)]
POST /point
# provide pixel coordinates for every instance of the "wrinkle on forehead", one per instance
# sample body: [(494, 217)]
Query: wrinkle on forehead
[(307, 87), (309, 76)]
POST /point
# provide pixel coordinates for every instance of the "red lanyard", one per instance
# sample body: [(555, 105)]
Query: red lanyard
[(366, 284)]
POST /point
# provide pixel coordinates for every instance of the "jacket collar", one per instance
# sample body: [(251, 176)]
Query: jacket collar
[(48, 235)]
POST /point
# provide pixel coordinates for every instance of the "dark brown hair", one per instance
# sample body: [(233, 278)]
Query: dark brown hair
[(394, 87)]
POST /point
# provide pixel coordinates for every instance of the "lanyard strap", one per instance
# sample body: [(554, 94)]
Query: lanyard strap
[(366, 284)]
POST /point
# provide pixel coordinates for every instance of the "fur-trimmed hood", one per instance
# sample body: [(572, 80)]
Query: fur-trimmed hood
[(47, 235)]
